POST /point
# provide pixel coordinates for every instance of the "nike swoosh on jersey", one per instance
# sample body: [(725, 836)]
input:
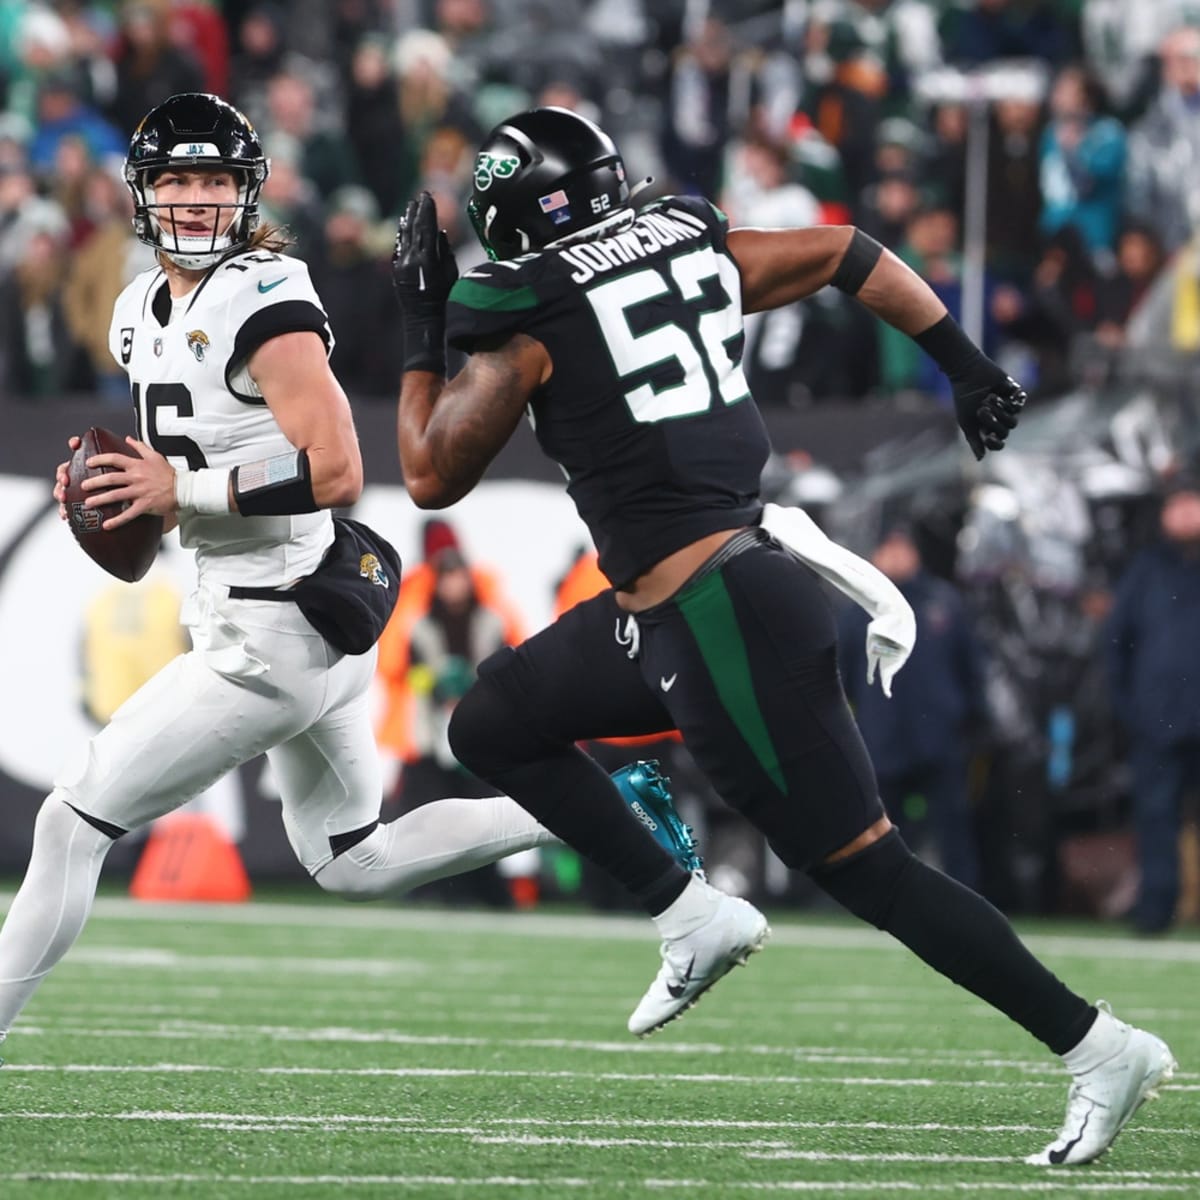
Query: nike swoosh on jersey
[(266, 287), (667, 684)]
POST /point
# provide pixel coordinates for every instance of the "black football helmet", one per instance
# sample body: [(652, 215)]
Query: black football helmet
[(194, 129), (541, 177)]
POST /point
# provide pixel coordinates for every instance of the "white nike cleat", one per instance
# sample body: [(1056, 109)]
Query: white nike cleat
[(695, 960), (1103, 1099)]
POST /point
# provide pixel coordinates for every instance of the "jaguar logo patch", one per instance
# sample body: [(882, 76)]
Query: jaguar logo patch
[(493, 166), (371, 569), (198, 342)]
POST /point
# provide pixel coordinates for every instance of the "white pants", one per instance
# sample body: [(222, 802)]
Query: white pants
[(259, 680)]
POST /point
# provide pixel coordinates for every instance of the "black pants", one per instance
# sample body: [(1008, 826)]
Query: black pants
[(743, 662)]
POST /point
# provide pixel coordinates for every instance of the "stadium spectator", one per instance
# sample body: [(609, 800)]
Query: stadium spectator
[(351, 276), (1163, 172), (326, 158), (761, 190), (34, 41), (395, 732), (1014, 200), (429, 101), (919, 739), (16, 190), (1120, 47), (97, 273), (1082, 162), (991, 29), (1154, 665), (848, 108), (447, 642), (198, 29), (258, 58), (698, 118), (149, 66), (902, 35), (931, 248), (1139, 259), (888, 205), (39, 356), (373, 120), (1059, 305), (62, 113), (945, 169), (288, 198)]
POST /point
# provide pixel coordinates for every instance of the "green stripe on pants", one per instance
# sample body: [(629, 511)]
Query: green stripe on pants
[(708, 610)]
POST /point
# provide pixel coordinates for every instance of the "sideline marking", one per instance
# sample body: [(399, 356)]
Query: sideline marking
[(575, 926)]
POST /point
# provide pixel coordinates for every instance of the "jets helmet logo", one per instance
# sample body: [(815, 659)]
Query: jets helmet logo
[(198, 342), (493, 166), (371, 569)]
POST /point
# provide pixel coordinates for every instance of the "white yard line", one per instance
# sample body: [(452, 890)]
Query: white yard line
[(577, 926), (367, 1120), (478, 1073), (723, 1186), (186, 1030)]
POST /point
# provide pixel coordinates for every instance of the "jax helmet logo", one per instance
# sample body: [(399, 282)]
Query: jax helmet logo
[(371, 569), (493, 166)]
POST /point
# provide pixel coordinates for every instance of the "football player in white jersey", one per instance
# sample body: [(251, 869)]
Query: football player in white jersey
[(246, 441)]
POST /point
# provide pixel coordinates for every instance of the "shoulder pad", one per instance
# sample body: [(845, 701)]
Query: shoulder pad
[(697, 206), (500, 298)]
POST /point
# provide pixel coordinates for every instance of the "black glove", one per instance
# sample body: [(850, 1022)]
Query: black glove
[(986, 400), (423, 272)]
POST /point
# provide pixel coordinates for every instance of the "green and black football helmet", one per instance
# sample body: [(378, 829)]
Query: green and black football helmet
[(542, 177), (194, 129)]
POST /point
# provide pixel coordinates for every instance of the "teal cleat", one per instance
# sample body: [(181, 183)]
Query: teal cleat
[(647, 791)]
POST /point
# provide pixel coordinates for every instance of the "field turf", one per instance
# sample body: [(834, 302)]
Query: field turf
[(316, 1049)]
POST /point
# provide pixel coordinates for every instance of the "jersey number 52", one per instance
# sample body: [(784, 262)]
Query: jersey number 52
[(703, 378)]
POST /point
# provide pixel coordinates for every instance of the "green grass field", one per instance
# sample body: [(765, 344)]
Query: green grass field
[(312, 1050)]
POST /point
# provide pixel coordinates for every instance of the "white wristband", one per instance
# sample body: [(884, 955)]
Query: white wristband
[(203, 491)]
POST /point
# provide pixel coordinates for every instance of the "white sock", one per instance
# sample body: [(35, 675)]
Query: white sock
[(444, 837), (1106, 1037), (689, 910), (52, 905)]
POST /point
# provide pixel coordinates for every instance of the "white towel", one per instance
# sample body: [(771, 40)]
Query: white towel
[(892, 632)]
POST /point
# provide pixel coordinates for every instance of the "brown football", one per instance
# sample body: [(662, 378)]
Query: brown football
[(127, 551)]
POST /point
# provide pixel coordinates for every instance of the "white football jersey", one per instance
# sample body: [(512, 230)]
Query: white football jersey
[(195, 403)]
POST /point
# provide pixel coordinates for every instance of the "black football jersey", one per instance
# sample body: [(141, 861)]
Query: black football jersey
[(647, 411)]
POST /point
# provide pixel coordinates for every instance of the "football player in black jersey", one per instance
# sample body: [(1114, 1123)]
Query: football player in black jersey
[(620, 333)]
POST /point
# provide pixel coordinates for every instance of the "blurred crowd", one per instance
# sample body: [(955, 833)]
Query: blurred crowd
[(1077, 120)]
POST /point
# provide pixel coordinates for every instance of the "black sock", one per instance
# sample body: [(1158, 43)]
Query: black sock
[(572, 796), (959, 934)]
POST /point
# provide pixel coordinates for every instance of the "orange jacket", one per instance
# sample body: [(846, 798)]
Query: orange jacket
[(414, 601)]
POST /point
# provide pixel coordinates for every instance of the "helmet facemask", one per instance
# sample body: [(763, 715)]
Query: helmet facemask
[(195, 253)]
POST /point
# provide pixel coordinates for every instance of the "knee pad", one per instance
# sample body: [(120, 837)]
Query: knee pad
[(488, 734), (866, 883)]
